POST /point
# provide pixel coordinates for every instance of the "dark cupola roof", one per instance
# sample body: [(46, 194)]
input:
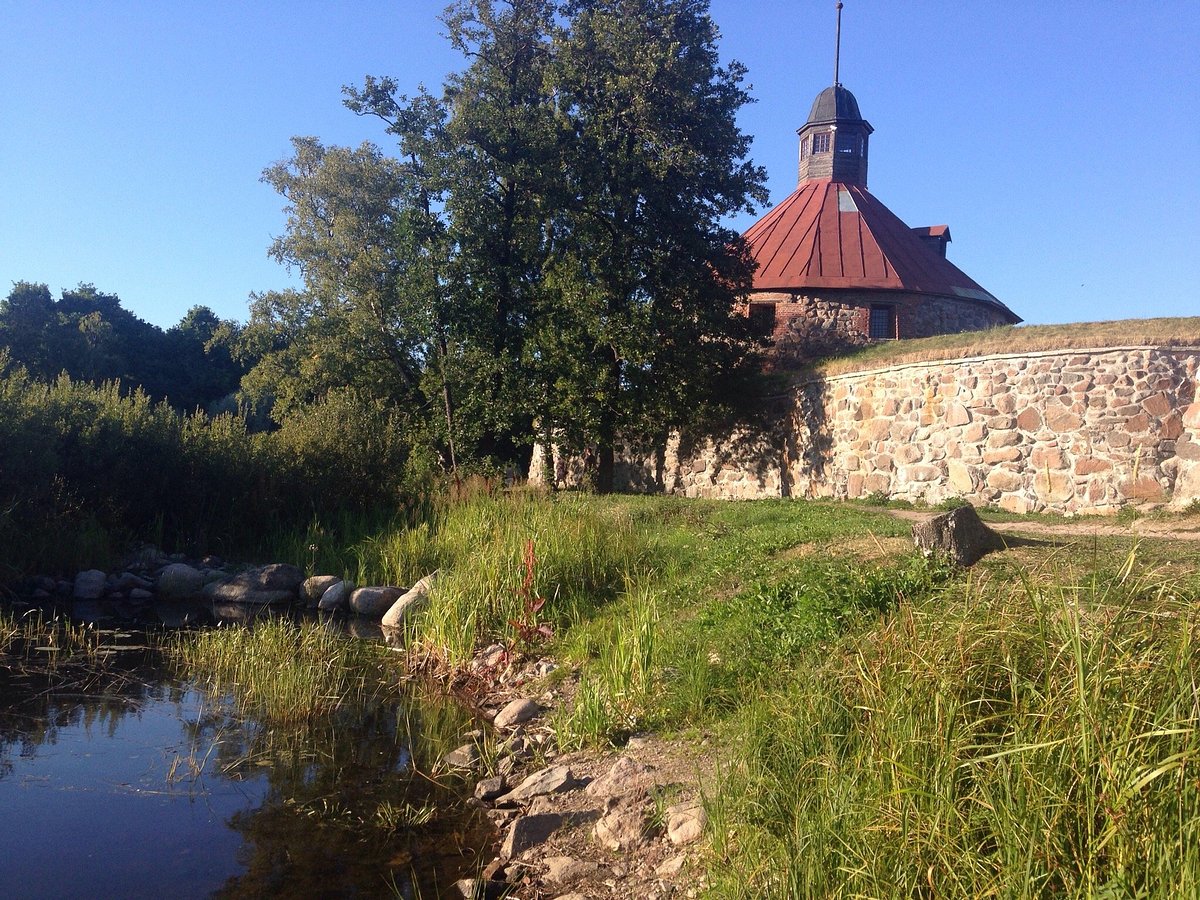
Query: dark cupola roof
[(834, 104)]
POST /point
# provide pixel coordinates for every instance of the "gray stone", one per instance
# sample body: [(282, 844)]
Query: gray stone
[(314, 588), (552, 780), (490, 788), (89, 585), (481, 889), (277, 583), (568, 870), (671, 867), (409, 603), (180, 581), (464, 757), (686, 822), (335, 596), (959, 533), (373, 602), (627, 776), (128, 581), (529, 831), (515, 713), (622, 827)]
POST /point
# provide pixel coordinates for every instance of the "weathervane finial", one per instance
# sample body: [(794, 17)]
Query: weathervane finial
[(837, 47)]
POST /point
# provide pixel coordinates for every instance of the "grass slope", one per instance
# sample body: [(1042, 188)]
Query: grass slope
[(1171, 332), (886, 726)]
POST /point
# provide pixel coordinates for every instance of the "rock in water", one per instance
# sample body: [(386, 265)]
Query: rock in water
[(179, 581), (409, 603), (335, 596), (959, 533), (278, 583), (89, 585), (314, 588), (374, 601)]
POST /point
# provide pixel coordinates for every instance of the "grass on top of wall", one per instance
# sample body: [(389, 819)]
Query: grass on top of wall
[(1175, 332)]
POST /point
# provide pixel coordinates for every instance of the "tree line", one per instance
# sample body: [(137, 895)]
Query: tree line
[(88, 335)]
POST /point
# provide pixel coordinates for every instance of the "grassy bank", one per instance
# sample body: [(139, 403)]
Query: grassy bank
[(1169, 332), (885, 725)]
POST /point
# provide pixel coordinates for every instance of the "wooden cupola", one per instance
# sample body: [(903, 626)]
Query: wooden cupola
[(834, 140)]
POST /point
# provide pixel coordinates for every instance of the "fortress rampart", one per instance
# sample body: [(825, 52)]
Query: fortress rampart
[(1067, 431)]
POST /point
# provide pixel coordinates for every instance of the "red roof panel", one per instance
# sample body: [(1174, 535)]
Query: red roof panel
[(832, 235)]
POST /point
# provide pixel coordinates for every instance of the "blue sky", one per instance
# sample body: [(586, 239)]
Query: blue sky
[(1060, 141)]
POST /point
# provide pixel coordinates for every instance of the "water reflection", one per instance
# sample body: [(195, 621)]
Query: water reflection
[(128, 782)]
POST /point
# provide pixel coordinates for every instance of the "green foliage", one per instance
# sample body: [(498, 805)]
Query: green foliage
[(85, 471), (583, 555), (648, 277), (546, 247), (87, 335), (284, 672), (814, 604)]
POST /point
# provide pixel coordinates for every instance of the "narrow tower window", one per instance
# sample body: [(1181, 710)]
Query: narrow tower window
[(883, 323), (762, 318)]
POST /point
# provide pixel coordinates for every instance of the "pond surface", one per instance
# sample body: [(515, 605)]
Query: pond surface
[(131, 783)]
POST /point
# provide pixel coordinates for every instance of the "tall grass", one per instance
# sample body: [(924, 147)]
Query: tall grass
[(281, 671), (85, 470), (1038, 743), (618, 686), (1172, 332), (584, 553)]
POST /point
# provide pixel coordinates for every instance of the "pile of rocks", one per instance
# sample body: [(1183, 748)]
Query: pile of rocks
[(574, 825), (151, 579)]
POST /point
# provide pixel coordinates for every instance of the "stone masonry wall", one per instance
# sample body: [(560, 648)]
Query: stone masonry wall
[(806, 326), (1079, 431)]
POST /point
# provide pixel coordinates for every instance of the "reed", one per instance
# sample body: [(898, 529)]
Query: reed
[(1037, 742), (281, 671)]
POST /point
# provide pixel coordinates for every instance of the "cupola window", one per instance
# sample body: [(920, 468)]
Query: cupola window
[(820, 142)]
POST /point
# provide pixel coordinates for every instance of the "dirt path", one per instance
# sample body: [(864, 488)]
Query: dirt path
[(1177, 529)]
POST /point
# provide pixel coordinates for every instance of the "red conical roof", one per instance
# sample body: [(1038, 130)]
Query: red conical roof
[(828, 234)]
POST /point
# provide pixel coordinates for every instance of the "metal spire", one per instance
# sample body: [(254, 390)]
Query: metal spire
[(837, 47)]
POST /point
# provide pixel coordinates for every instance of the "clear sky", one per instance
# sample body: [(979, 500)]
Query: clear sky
[(1059, 140)]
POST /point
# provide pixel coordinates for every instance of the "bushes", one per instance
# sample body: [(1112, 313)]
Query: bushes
[(86, 470)]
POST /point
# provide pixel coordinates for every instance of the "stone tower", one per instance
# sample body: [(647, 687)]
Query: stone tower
[(836, 268)]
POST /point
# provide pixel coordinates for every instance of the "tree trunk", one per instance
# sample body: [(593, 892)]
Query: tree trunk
[(604, 467)]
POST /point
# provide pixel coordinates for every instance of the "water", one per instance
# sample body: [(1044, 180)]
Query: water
[(130, 783)]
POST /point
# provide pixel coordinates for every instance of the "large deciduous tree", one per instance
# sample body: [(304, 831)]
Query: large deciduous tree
[(358, 233), (548, 244), (650, 276)]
